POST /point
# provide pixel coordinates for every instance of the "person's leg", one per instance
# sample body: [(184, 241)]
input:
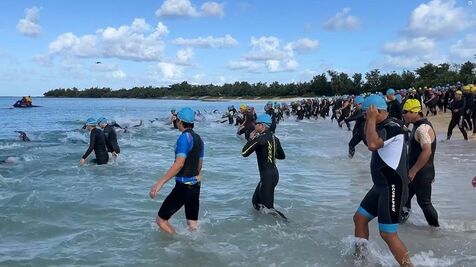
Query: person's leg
[(461, 127), (192, 206), (451, 126), (353, 143), (398, 249), (256, 197), (172, 203), (423, 193)]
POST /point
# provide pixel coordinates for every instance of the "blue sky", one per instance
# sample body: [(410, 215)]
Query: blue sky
[(52, 44)]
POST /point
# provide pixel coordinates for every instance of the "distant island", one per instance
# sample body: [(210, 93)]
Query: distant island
[(325, 84)]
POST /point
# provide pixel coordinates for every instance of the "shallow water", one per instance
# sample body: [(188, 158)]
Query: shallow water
[(53, 212)]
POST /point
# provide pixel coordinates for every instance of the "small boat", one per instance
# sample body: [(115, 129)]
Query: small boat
[(24, 103)]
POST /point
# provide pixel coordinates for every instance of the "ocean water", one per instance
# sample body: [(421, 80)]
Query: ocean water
[(55, 213)]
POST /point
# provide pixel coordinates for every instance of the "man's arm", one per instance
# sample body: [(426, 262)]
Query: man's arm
[(374, 142), (174, 169), (424, 137)]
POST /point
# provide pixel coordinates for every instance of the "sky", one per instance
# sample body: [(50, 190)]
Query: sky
[(121, 44)]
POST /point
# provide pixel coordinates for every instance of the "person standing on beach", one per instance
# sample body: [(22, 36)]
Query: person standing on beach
[(268, 149), (457, 108), (421, 153), (388, 166), (97, 142), (187, 170)]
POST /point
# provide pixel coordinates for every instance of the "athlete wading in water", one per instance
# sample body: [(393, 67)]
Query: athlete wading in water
[(187, 170), (268, 149), (388, 168)]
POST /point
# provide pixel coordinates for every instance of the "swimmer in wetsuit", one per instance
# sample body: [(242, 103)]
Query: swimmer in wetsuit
[(97, 142), (358, 133), (187, 170), (388, 167), (421, 152), (111, 137), (23, 136), (268, 149)]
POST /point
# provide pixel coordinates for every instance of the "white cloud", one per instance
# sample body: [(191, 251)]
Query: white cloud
[(392, 62), (438, 18), (250, 66), (342, 21), (118, 74), (212, 9), (267, 53), (303, 45), (184, 8), (266, 48), (43, 60), (278, 66), (138, 42), (184, 56), (207, 42), (68, 43), (168, 72), (412, 46), (465, 49), (29, 25), (131, 43)]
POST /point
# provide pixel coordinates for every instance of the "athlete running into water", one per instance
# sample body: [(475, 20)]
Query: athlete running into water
[(388, 167), (187, 169), (268, 149)]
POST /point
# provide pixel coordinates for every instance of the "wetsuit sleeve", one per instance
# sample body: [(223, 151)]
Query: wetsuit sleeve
[(184, 145), (250, 147), (113, 140), (355, 117), (92, 143), (279, 150)]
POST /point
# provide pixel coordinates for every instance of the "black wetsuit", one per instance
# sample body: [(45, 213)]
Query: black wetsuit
[(111, 139), (268, 149), (421, 184), (358, 133), (271, 113), (249, 125), (389, 171), (394, 109), (457, 118), (97, 142)]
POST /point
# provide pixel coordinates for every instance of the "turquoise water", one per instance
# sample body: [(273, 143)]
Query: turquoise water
[(55, 213)]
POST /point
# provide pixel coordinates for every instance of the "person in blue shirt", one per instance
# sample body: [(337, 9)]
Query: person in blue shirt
[(187, 170)]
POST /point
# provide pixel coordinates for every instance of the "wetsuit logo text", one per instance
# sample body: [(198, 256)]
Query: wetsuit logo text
[(393, 198)]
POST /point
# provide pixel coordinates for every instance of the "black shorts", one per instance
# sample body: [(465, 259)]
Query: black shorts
[(181, 195), (385, 202)]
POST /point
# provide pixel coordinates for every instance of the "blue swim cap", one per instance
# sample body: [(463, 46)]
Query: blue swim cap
[(186, 115), (374, 100), (91, 122), (264, 119), (359, 100), (399, 98), (390, 91), (102, 120)]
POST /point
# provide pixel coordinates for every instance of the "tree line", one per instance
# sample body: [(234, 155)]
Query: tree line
[(324, 84)]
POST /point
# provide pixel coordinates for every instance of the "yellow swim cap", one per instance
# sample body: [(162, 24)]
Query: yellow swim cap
[(473, 89), (412, 105), (243, 107), (467, 87), (459, 92)]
